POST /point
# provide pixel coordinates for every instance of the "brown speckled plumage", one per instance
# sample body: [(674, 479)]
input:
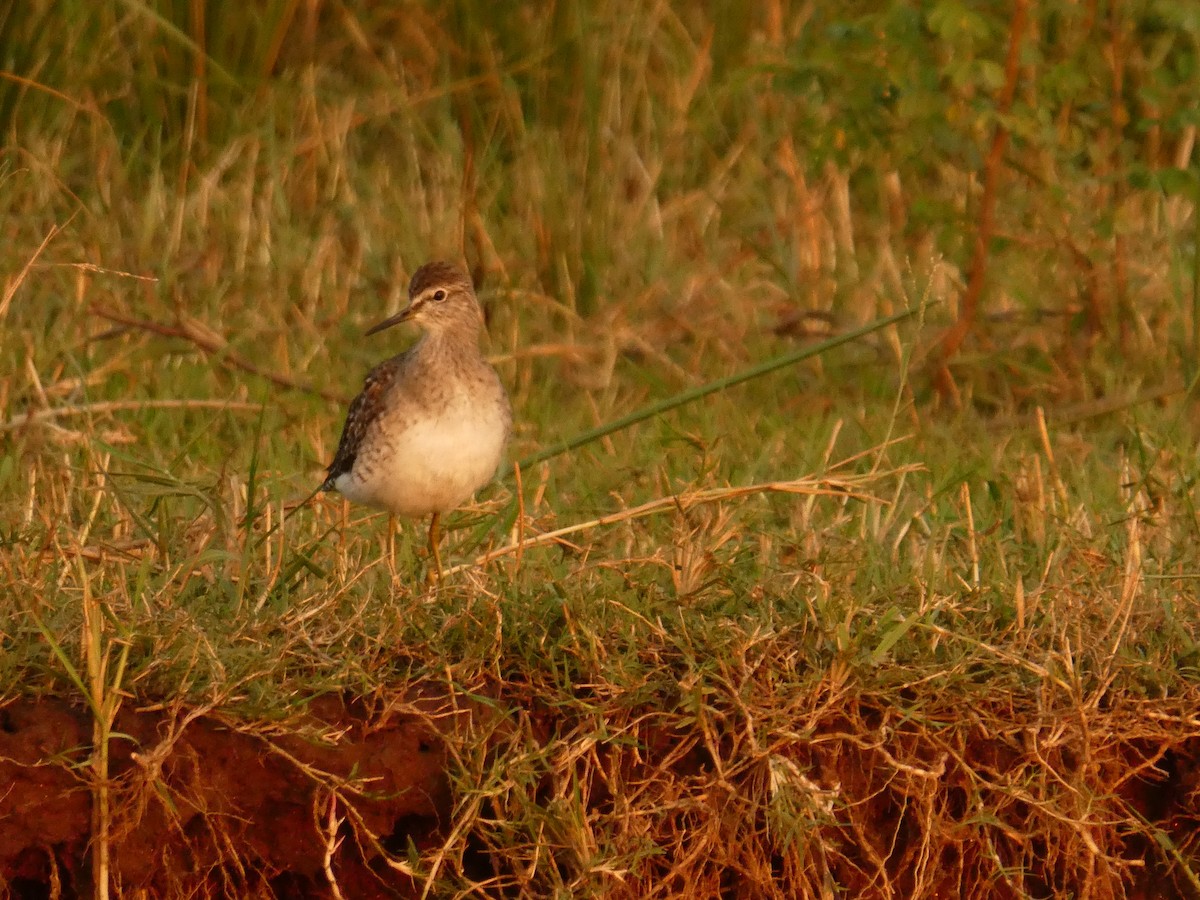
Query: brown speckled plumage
[(429, 426), (364, 410)]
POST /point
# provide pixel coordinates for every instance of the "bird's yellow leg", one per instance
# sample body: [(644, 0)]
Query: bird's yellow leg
[(435, 556)]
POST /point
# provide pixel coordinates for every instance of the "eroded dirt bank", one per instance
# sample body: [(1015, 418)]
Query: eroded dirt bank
[(199, 806), (878, 801)]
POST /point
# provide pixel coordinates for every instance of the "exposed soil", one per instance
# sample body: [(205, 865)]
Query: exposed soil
[(205, 806), (210, 809)]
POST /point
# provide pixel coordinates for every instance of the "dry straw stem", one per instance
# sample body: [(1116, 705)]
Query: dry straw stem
[(953, 338), (852, 487), (11, 290), (108, 406), (215, 344)]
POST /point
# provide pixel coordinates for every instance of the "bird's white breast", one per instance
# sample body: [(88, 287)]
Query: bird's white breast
[(417, 465)]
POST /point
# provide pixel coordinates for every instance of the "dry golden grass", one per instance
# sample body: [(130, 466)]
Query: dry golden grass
[(825, 633)]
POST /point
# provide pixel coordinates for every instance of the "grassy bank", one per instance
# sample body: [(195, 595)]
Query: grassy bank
[(887, 622)]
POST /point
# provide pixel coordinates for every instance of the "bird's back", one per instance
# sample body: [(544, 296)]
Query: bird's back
[(367, 407)]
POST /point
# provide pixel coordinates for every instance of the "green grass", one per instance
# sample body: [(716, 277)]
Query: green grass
[(934, 674)]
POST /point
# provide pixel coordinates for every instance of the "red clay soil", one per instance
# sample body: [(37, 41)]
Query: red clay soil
[(204, 809), (205, 806)]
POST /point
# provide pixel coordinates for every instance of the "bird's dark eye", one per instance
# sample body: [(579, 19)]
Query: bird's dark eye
[(439, 296)]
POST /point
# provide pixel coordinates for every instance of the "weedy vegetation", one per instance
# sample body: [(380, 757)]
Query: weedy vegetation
[(914, 614)]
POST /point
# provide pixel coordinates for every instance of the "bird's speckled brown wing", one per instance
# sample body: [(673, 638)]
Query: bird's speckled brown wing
[(363, 411)]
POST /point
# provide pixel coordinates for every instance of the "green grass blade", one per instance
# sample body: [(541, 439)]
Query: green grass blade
[(689, 396)]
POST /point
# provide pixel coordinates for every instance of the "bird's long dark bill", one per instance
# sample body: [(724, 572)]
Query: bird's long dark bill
[(403, 316)]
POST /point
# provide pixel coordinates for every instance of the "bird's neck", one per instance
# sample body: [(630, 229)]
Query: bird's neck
[(456, 341)]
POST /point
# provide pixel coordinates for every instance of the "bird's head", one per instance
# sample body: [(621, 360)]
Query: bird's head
[(440, 299)]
